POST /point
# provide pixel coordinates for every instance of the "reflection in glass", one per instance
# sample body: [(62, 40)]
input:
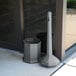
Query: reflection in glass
[(7, 21)]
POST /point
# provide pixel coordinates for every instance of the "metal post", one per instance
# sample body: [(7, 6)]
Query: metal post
[(49, 60)]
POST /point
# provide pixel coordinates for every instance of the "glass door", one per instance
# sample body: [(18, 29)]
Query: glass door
[(70, 35), (35, 19), (9, 31)]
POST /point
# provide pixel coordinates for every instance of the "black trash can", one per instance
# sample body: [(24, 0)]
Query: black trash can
[(43, 38)]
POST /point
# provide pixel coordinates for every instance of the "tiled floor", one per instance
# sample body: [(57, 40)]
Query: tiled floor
[(11, 64), (69, 69)]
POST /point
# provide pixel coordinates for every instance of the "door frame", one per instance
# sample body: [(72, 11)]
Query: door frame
[(60, 28)]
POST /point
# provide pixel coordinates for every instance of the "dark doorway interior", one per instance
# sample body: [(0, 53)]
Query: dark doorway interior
[(10, 32)]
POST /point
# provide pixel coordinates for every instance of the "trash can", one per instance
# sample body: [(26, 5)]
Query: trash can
[(43, 38), (32, 47)]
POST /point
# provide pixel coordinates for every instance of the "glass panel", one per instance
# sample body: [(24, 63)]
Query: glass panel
[(70, 36), (71, 4), (7, 21), (35, 18), (35, 15)]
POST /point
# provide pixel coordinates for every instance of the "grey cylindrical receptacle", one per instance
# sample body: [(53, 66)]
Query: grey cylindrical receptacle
[(32, 47)]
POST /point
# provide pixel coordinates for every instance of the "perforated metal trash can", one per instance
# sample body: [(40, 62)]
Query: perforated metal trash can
[(32, 47)]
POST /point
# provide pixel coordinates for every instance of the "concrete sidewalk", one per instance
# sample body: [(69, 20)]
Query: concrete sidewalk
[(11, 64)]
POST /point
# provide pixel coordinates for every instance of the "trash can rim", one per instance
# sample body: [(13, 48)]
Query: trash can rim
[(31, 40)]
